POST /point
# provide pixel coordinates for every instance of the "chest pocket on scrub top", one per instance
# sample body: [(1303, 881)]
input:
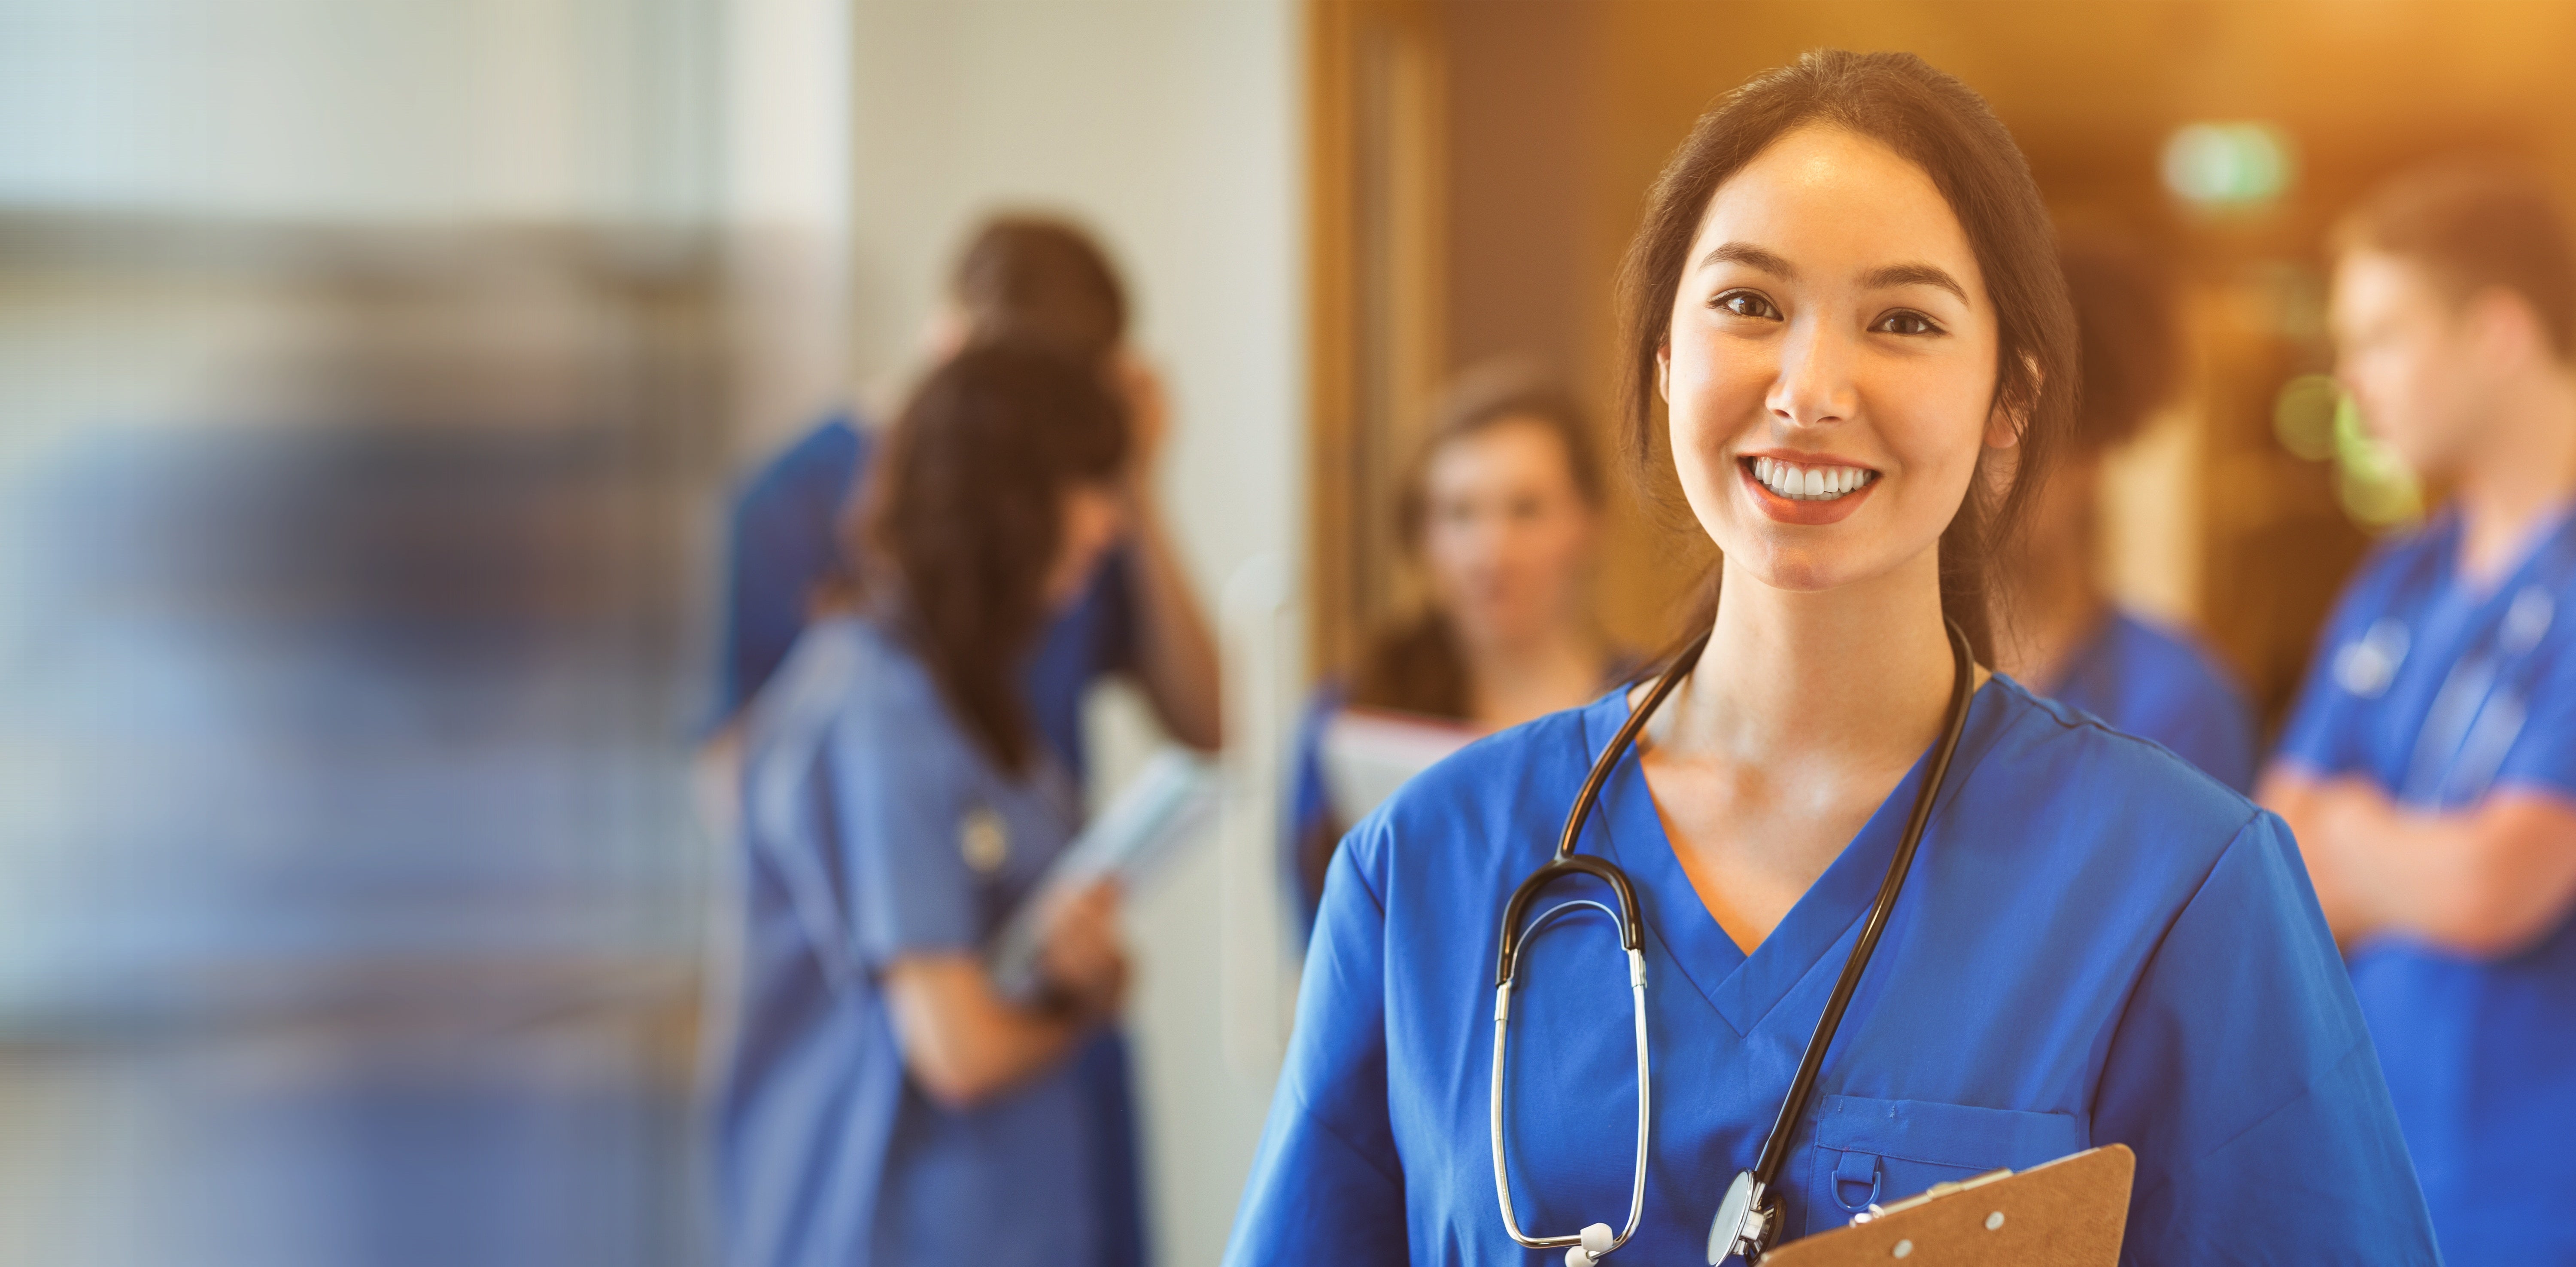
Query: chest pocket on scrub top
[(1887, 1150)]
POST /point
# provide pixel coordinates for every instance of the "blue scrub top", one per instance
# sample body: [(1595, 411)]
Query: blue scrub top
[(2440, 692), (2098, 944), (784, 542), (2157, 684), (859, 790)]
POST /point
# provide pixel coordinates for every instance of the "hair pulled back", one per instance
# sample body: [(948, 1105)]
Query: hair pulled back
[(963, 527), (1041, 279), (1943, 127)]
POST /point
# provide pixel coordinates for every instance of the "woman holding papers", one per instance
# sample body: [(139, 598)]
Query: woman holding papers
[(884, 1103), (1843, 308), (1501, 511)]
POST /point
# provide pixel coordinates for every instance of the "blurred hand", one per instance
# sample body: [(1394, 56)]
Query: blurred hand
[(1083, 958), (1148, 413)]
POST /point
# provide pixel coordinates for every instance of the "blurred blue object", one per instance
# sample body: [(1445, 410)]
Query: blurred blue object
[(350, 907)]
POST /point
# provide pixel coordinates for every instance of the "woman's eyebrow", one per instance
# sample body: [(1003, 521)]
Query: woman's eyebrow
[(1750, 256), (1895, 275)]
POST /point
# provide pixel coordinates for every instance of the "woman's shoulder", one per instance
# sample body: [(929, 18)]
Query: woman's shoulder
[(849, 676), (2073, 777)]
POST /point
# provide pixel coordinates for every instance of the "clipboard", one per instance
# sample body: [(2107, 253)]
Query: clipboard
[(2070, 1212)]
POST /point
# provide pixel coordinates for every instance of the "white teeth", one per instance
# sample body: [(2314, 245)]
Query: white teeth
[(1809, 483)]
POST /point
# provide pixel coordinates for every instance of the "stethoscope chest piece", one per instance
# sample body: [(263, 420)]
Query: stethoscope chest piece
[(1741, 1225)]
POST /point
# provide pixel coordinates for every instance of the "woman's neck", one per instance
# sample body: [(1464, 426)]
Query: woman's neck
[(1858, 674), (1513, 680)]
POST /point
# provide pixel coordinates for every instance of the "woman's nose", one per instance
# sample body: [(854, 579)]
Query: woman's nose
[(1815, 384)]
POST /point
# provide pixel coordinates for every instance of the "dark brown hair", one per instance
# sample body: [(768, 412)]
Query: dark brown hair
[(2475, 224), (1416, 666), (1944, 128), (965, 520), (2124, 320), (1041, 280)]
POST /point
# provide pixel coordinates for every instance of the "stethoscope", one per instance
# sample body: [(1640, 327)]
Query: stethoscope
[(1746, 1221)]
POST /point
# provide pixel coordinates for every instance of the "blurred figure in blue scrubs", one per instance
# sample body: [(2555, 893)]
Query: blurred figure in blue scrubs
[(1023, 277), (885, 1103), (2429, 765), (1044, 281), (1843, 313), (1501, 510), (2066, 638)]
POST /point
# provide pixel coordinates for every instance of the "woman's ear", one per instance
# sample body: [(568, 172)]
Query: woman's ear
[(2003, 427), (1664, 369), (2004, 423)]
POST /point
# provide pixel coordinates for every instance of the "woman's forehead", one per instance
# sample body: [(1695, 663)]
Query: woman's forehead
[(1828, 200)]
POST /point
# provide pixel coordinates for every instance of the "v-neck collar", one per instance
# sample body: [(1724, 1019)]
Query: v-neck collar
[(1743, 989)]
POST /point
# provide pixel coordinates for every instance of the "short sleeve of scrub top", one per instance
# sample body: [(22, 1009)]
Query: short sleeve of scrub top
[(2097, 944), (903, 807), (781, 544), (2356, 657)]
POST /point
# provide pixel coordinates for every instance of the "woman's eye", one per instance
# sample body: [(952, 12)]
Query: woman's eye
[(1745, 303), (1906, 323)]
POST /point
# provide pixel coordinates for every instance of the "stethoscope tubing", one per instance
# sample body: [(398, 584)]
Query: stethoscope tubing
[(1566, 861)]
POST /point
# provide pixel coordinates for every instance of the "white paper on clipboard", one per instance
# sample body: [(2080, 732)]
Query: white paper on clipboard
[(1168, 804), (1369, 754)]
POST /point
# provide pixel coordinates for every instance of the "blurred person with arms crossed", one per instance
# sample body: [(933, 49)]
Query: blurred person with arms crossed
[(886, 1103), (1501, 509), (2067, 639), (2429, 765), (1043, 282)]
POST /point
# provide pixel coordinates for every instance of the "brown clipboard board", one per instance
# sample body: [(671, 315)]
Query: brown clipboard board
[(2070, 1212)]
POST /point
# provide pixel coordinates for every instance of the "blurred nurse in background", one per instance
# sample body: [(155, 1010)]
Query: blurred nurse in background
[(1501, 511), (1045, 281), (2066, 637), (2429, 766), (1042, 282), (886, 1103)]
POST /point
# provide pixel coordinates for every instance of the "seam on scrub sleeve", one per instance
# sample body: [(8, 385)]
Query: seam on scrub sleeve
[(2164, 1173), (1346, 854), (2147, 965), (1306, 1112)]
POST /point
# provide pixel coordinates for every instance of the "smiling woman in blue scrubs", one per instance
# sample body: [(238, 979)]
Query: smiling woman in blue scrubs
[(885, 1104), (1846, 295), (2430, 764)]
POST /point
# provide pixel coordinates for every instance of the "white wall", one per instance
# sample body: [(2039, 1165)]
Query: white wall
[(359, 110), (1172, 127)]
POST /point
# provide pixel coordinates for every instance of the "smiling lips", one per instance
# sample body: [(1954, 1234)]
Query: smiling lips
[(1803, 493)]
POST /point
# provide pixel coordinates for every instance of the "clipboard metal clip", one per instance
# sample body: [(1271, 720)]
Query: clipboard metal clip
[(1928, 1195)]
